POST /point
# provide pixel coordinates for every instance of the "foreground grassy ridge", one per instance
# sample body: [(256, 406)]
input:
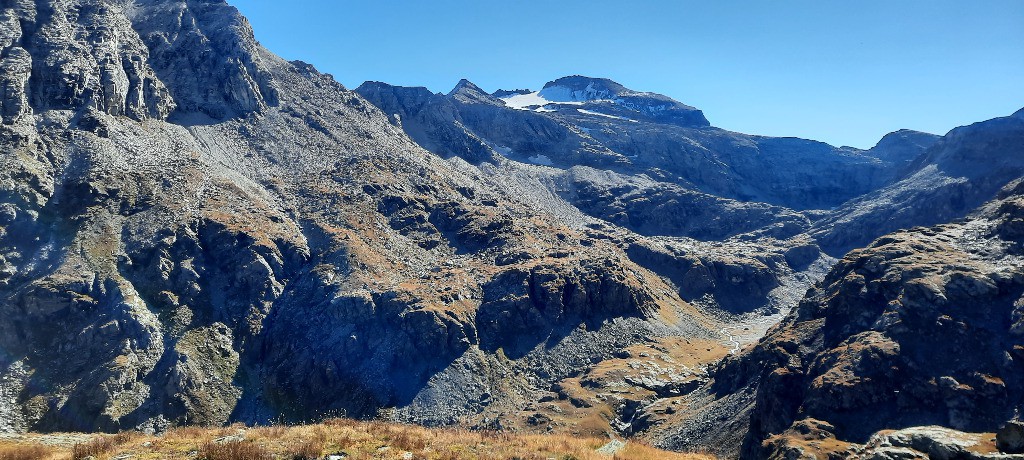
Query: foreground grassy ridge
[(350, 439)]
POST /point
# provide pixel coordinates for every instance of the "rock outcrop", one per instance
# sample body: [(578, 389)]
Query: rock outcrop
[(79, 55), (919, 328), (210, 35)]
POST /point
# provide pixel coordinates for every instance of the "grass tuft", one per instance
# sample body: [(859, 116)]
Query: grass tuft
[(25, 452), (100, 445), (234, 450)]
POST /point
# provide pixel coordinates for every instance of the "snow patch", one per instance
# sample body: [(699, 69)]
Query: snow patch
[(599, 114), (524, 101), (539, 99), (501, 149), (541, 160)]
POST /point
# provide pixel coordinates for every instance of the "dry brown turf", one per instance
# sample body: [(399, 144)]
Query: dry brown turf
[(354, 440)]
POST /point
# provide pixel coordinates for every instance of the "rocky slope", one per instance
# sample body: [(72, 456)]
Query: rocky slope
[(623, 157), (956, 174), (920, 328), (196, 231)]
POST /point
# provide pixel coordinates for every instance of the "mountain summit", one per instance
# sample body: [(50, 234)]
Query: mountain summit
[(604, 97)]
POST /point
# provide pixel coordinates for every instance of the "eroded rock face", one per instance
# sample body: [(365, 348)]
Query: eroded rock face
[(183, 36), (80, 54)]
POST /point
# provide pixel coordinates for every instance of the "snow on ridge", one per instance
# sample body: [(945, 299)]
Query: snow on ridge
[(547, 99), (524, 101), (555, 94), (567, 95), (599, 114)]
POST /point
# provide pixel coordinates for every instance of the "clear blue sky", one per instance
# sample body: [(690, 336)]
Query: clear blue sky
[(844, 72)]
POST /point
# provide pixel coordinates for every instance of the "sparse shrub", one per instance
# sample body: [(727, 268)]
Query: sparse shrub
[(234, 450), (100, 445), (25, 452), (404, 439)]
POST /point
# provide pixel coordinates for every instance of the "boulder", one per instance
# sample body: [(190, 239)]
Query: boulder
[(1010, 438)]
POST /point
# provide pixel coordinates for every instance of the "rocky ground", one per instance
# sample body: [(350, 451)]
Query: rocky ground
[(920, 328), (194, 231)]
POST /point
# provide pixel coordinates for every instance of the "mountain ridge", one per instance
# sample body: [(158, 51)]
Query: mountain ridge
[(196, 231)]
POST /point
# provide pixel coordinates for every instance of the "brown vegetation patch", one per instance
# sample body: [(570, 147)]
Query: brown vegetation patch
[(353, 439)]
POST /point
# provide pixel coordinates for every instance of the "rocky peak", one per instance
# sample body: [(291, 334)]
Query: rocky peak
[(624, 102), (578, 88), (143, 60), (903, 146), (401, 102), (469, 93), (503, 93), (207, 55), (406, 94)]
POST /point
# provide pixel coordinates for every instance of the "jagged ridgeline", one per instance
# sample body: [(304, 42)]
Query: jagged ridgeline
[(195, 231)]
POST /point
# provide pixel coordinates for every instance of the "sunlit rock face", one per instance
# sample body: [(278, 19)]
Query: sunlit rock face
[(195, 231)]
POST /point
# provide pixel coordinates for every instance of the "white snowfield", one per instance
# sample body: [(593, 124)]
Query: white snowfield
[(599, 114), (539, 99), (547, 100)]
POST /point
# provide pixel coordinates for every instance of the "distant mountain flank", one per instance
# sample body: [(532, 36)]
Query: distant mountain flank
[(689, 168)]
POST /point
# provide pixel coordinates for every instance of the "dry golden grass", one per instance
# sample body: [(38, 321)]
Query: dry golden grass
[(25, 452), (356, 440), (100, 445), (234, 450)]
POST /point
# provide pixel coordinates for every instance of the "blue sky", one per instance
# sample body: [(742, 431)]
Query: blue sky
[(844, 72)]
